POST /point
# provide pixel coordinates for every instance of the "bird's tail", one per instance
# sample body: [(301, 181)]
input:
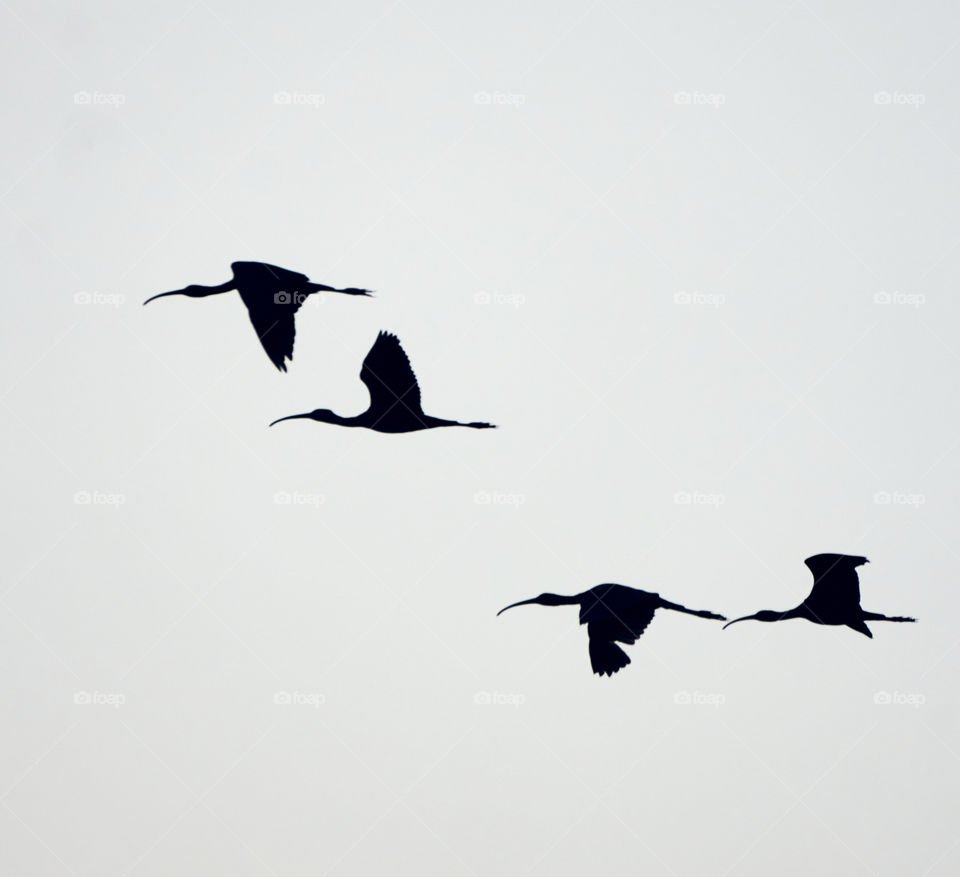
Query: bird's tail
[(607, 657), (860, 626)]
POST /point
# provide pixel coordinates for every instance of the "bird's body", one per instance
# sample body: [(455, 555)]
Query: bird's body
[(834, 598), (273, 296), (613, 614), (394, 395)]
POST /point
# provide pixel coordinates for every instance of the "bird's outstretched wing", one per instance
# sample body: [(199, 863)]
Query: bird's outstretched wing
[(835, 579), (625, 626), (276, 329), (272, 296), (606, 657), (627, 611), (622, 625), (389, 378)]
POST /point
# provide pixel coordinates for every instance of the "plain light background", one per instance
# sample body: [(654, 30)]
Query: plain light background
[(699, 263)]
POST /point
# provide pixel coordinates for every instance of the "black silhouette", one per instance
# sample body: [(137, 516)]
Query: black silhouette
[(394, 395), (835, 598), (272, 296), (613, 613)]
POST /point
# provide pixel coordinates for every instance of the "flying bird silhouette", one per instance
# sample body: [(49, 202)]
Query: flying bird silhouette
[(394, 395), (272, 296), (834, 599), (613, 613)]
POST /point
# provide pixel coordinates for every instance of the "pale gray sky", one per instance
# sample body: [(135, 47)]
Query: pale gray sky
[(700, 251)]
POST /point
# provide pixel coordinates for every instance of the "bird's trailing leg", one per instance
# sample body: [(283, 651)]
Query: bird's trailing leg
[(876, 616), (431, 422), (700, 613), (350, 290)]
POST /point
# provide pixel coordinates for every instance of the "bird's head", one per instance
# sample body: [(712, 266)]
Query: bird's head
[(542, 600), (193, 291), (322, 415), (762, 615)]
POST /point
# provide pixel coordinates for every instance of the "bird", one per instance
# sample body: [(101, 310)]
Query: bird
[(834, 599), (394, 395), (613, 613), (272, 296)]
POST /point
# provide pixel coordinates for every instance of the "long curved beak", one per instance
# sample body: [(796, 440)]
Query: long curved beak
[(521, 603), (735, 620), (162, 294), (291, 417)]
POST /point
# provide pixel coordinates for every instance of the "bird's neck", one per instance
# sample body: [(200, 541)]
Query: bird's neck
[(338, 420), (223, 287), (800, 611), (564, 599)]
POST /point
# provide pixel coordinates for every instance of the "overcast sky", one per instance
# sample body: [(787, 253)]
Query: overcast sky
[(699, 262)]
